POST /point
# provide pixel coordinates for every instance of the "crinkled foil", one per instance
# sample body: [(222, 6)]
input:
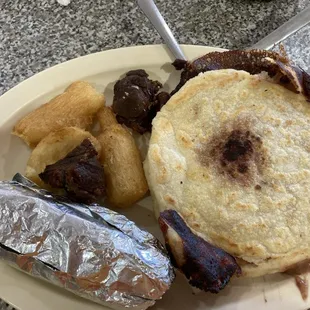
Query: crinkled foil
[(89, 250)]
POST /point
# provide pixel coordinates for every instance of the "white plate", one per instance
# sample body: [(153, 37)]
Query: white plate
[(103, 69)]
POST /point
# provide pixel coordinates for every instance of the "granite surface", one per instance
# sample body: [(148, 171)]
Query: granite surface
[(35, 35), (297, 47)]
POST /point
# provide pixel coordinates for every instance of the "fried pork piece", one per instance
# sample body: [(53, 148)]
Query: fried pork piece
[(207, 267), (53, 147), (252, 61), (136, 100), (79, 173), (76, 107)]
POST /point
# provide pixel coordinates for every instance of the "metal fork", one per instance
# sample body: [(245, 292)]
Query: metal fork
[(151, 11)]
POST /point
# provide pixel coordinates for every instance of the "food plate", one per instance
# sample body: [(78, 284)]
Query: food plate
[(102, 70)]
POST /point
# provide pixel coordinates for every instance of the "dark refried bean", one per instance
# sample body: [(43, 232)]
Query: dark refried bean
[(137, 100)]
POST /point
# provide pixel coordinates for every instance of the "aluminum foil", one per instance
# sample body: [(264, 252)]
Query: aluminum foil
[(91, 251)]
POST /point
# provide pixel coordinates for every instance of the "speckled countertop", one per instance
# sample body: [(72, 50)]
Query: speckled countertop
[(297, 46), (35, 35)]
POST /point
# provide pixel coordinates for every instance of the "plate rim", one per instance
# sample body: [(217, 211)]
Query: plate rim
[(162, 50), (16, 92)]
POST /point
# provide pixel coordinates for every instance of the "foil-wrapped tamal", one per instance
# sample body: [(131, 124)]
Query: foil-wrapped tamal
[(89, 250)]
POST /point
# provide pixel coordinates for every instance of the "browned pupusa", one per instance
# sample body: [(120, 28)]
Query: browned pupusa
[(230, 152)]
